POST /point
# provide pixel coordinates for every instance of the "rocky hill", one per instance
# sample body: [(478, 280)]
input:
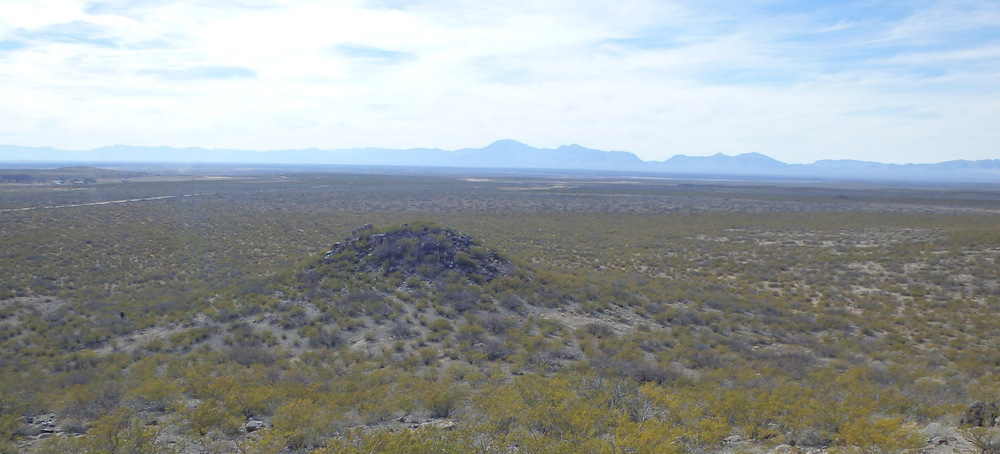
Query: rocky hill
[(422, 250)]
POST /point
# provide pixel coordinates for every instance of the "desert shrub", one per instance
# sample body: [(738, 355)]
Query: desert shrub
[(497, 324), (251, 354), (881, 436), (439, 325), (211, 414), (470, 334), (550, 327), (427, 355), (402, 330), (406, 441), (643, 372), (189, 337), (154, 393), (324, 337), (303, 423), (93, 399), (496, 349), (441, 399), (513, 303), (596, 329), (294, 317), (983, 440), (461, 300), (118, 432)]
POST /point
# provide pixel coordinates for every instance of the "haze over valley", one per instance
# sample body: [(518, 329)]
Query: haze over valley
[(510, 154)]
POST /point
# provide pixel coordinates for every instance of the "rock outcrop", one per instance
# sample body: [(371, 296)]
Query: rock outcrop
[(420, 249), (980, 414)]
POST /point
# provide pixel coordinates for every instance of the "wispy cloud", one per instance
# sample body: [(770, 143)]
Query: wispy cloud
[(200, 72), (370, 53), (77, 32), (10, 45)]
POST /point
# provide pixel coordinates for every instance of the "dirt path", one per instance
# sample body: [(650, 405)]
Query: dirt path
[(106, 202)]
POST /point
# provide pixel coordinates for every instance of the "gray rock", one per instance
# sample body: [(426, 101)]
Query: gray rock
[(783, 449), (254, 425), (938, 440), (445, 424)]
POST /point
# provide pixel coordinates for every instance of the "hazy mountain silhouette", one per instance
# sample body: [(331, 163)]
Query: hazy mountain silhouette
[(510, 154)]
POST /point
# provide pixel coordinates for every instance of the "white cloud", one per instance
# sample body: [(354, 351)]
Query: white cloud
[(656, 78)]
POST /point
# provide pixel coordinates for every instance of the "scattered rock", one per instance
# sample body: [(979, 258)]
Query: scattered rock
[(444, 424), (939, 440), (38, 426), (732, 439), (254, 425), (783, 449)]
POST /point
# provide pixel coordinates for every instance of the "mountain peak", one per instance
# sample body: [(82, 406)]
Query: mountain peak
[(507, 144), (511, 154)]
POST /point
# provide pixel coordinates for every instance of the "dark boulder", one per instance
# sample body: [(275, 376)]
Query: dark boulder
[(980, 414)]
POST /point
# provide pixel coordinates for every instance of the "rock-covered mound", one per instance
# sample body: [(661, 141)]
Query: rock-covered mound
[(422, 249)]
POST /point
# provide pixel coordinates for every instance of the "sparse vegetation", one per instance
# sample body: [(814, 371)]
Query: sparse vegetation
[(474, 316)]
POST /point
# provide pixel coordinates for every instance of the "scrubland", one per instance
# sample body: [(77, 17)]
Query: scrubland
[(493, 314)]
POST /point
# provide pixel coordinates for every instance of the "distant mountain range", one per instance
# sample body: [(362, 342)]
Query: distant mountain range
[(510, 154)]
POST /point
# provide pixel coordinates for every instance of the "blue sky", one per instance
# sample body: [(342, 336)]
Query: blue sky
[(890, 81)]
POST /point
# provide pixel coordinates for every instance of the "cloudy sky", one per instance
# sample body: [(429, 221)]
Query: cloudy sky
[(890, 81)]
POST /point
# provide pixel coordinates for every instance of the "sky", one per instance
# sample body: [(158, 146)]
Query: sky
[(889, 81)]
